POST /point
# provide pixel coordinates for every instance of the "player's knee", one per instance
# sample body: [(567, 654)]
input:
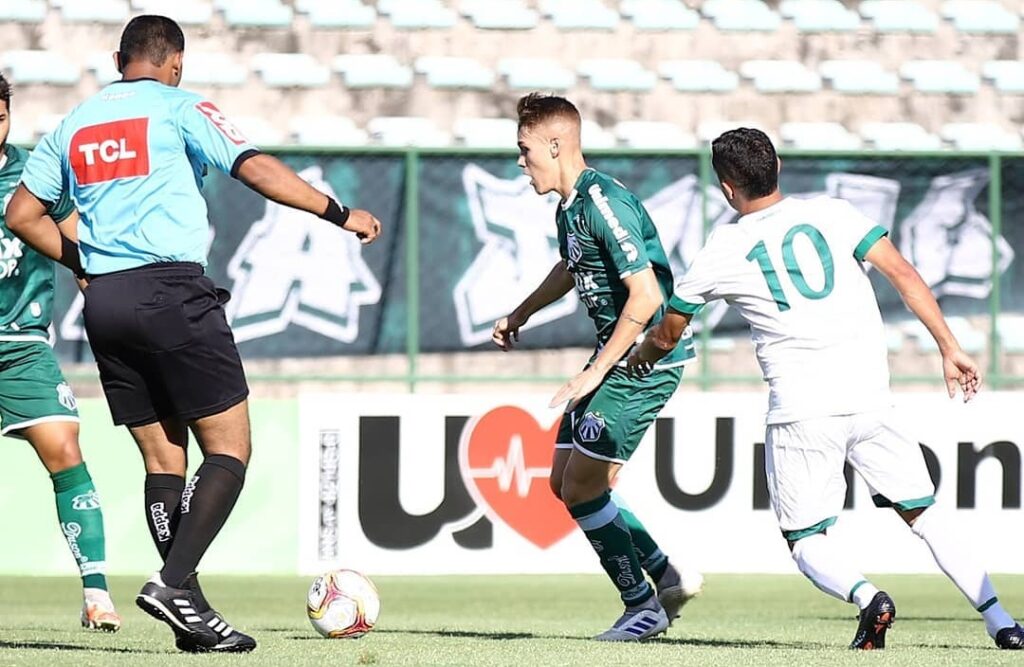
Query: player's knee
[(58, 450)]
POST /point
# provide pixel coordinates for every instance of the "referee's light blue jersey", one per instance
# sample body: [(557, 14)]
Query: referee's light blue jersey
[(133, 157)]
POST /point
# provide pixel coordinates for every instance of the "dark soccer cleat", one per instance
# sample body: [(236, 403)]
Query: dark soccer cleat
[(177, 608), (875, 619), (1012, 639), (229, 639)]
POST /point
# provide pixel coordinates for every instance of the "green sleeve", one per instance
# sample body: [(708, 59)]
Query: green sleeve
[(868, 241), (61, 209), (616, 224)]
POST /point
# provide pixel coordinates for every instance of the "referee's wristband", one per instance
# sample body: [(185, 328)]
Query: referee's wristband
[(335, 213)]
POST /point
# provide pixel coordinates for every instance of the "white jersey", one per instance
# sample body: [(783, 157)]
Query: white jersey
[(794, 272)]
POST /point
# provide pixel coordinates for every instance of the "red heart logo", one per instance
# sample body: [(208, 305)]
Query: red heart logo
[(506, 458)]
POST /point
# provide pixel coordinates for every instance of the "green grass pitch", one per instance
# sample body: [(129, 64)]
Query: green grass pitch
[(518, 621)]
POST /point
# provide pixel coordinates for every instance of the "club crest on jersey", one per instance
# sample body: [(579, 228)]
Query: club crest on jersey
[(591, 427), (110, 151), (66, 397), (573, 247)]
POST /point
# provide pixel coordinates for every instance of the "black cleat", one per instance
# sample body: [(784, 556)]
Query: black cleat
[(875, 619), (177, 607), (229, 639), (1012, 639)]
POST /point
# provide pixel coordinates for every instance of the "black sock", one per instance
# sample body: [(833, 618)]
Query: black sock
[(206, 503), (163, 496)]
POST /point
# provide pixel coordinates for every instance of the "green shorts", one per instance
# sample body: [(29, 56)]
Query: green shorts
[(32, 388), (609, 424)]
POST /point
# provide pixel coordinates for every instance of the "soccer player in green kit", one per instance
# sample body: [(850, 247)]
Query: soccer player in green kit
[(612, 254), (36, 403)]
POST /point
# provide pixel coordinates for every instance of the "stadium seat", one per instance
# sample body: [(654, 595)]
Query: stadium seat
[(500, 14), (617, 74), (1011, 332), (536, 74), (660, 14), (486, 132), (818, 136), (212, 69), (47, 67), (22, 132), (980, 137), (652, 134), (185, 12), (96, 11), (337, 13), (699, 76), (781, 76), (741, 15), (327, 131), (101, 64), (710, 130), (258, 130), (372, 71), (971, 339), (940, 76), (593, 135), (819, 15), (899, 136), (450, 72), (981, 17), (417, 14), (893, 338), (580, 14), (859, 77), (721, 343), (23, 11), (47, 122), (256, 13), (406, 131), (907, 16), (290, 70), (1006, 75)]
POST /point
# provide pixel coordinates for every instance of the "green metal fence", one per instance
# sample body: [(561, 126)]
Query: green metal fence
[(999, 373)]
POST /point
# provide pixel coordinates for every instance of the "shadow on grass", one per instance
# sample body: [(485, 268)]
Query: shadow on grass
[(673, 641), (901, 618), (57, 646)]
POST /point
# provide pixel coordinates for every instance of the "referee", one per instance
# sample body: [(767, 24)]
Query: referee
[(133, 157)]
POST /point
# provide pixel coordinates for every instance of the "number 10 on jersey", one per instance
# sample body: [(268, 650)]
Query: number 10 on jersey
[(759, 254)]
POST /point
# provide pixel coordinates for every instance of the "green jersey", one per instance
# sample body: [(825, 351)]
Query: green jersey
[(26, 277), (606, 235)]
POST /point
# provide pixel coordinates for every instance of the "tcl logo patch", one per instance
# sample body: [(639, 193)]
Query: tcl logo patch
[(110, 151), (221, 122)]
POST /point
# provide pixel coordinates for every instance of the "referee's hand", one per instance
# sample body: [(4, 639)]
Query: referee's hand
[(363, 225)]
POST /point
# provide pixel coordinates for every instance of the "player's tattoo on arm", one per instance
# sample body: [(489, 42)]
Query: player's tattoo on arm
[(632, 319)]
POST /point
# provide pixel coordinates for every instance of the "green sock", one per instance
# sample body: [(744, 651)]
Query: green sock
[(650, 555), (81, 519), (603, 524)]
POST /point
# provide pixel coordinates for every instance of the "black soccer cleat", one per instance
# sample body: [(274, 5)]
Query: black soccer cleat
[(875, 619), (177, 608), (1012, 639), (229, 639)]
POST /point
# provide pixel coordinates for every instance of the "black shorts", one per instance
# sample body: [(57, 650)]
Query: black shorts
[(162, 344)]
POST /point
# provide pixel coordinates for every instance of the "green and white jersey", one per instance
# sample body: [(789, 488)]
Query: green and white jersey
[(26, 277), (605, 235), (795, 273)]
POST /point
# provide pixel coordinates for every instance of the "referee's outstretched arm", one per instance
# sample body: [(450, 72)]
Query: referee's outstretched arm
[(276, 181)]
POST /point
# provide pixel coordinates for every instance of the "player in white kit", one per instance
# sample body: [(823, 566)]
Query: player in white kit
[(793, 269)]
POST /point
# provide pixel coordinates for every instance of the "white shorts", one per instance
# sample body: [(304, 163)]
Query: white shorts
[(804, 462)]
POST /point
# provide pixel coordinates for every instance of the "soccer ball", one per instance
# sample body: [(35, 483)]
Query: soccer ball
[(342, 604)]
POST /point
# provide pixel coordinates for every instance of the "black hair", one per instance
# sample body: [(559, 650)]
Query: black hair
[(151, 37), (746, 159), (5, 91)]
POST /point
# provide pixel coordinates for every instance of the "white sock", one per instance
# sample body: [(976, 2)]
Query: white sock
[(951, 553), (826, 567)]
